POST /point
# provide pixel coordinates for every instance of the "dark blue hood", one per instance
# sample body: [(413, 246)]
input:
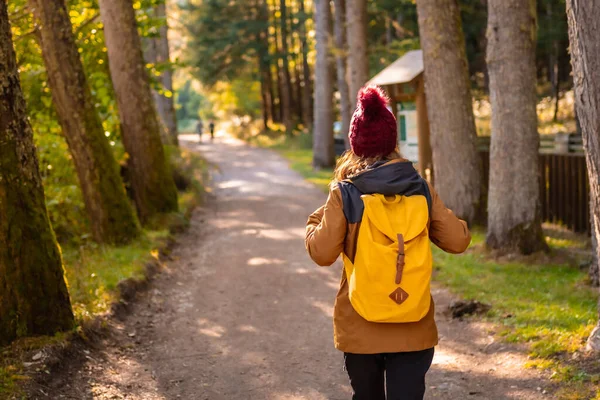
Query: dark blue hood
[(389, 179)]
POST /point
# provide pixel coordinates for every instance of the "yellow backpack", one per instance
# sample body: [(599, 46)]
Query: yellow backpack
[(389, 280)]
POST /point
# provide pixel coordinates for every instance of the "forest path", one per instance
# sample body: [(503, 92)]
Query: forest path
[(242, 313)]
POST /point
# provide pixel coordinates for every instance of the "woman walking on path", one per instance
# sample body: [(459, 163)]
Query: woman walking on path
[(381, 216)]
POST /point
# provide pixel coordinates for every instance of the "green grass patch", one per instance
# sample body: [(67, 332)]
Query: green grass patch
[(548, 306), (94, 271)]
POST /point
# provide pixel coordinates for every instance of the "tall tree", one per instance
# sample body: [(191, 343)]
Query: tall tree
[(307, 111), (264, 64), (278, 115), (33, 294), (514, 217), (323, 153), (157, 52), (341, 51), (457, 167), (110, 213), (584, 31), (358, 61), (154, 191), (286, 81)]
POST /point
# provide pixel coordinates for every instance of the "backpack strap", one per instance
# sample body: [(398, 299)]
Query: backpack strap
[(400, 260)]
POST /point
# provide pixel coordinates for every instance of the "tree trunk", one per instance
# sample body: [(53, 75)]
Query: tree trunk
[(584, 30), (457, 166), (152, 184), (264, 66), (514, 215), (269, 91), (150, 50), (286, 89), (298, 89), (555, 79), (279, 93), (296, 97), (165, 101), (339, 31), (110, 213), (33, 294), (307, 110), (323, 152), (594, 270), (358, 61)]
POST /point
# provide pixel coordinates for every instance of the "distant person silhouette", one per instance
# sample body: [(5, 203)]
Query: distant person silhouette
[(200, 128), (211, 126)]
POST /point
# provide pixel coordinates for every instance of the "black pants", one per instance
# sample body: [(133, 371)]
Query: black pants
[(404, 377)]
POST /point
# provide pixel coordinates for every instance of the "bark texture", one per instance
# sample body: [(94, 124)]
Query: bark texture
[(514, 217), (457, 171), (584, 31), (323, 152), (339, 31), (111, 215), (356, 31), (157, 52), (307, 99), (151, 181), (33, 294), (286, 80)]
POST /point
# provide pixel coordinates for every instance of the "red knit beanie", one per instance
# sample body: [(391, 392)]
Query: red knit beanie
[(373, 130)]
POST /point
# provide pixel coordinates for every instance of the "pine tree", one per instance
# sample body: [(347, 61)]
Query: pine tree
[(153, 187), (457, 168), (514, 217), (323, 154), (33, 294), (111, 215), (584, 31)]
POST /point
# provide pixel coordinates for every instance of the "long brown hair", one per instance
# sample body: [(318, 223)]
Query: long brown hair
[(350, 164)]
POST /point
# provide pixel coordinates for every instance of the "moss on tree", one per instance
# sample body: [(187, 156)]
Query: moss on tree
[(33, 293)]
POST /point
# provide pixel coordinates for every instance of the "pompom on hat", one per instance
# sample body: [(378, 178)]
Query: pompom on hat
[(373, 130)]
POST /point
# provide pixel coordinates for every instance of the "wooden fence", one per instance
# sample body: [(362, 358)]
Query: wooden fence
[(549, 144), (564, 189)]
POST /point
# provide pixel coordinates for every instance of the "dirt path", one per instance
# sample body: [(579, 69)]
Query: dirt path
[(242, 313)]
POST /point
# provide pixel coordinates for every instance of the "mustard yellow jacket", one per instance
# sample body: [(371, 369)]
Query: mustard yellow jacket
[(332, 229)]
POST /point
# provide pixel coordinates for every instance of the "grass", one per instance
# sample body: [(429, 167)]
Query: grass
[(93, 271), (547, 306)]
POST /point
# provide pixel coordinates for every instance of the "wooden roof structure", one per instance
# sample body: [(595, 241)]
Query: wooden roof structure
[(403, 70), (404, 82)]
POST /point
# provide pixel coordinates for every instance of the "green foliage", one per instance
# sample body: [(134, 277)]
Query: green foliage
[(223, 38), (190, 104), (93, 271), (240, 97), (63, 198)]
